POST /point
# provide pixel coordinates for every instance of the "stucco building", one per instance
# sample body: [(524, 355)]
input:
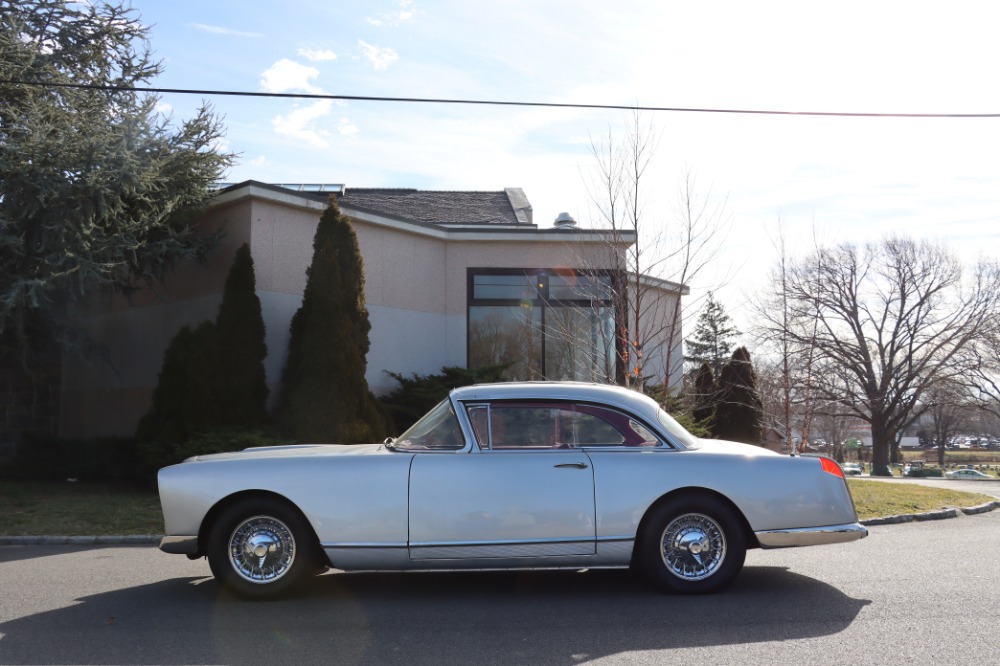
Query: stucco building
[(451, 278)]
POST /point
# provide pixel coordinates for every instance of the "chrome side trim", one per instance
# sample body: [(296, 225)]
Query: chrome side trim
[(811, 536), (179, 545), (498, 542), (373, 544)]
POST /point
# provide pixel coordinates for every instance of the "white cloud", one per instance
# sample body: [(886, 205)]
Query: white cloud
[(406, 11), (298, 123), (258, 161), (163, 108), (220, 30), (287, 75), (379, 56), (317, 55), (347, 128)]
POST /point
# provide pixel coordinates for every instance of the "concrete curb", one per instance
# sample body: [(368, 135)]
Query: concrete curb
[(125, 540), (932, 515)]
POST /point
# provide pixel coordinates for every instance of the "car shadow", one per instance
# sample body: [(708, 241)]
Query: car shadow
[(558, 618)]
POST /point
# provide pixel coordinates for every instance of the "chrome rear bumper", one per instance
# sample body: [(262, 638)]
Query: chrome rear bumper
[(811, 536)]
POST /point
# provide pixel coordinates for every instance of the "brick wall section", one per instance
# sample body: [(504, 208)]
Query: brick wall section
[(28, 406)]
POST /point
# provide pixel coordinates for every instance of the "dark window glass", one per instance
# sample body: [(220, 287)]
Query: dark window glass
[(541, 324), (526, 425), (507, 335)]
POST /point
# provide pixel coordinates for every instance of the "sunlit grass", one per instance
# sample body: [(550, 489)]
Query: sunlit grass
[(876, 499)]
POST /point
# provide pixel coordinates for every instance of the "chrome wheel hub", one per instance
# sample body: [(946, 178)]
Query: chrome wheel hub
[(261, 549), (693, 546)]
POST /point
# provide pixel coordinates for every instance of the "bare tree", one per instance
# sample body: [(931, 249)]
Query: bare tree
[(948, 407), (892, 320), (669, 252), (775, 316), (983, 362)]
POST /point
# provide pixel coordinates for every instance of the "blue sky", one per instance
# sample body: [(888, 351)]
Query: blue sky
[(841, 178)]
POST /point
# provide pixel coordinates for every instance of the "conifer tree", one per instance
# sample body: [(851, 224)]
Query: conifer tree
[(184, 400), (325, 397), (713, 336), (705, 394), (241, 385), (98, 189), (212, 377), (739, 409)]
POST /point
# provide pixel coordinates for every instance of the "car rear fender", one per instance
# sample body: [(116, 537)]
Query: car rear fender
[(693, 492)]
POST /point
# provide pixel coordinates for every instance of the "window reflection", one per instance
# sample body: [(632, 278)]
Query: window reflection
[(542, 324)]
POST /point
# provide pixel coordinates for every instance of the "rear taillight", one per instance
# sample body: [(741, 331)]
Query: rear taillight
[(831, 466)]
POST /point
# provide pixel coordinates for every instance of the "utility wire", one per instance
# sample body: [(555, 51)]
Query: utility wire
[(483, 102)]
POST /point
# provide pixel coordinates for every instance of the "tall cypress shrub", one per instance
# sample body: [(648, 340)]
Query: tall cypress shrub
[(705, 394), (212, 378), (184, 400), (739, 411), (241, 385), (325, 396)]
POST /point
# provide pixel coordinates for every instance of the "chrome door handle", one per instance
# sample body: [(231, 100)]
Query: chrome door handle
[(573, 465)]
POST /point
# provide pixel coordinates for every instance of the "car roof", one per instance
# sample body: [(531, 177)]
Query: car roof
[(606, 394)]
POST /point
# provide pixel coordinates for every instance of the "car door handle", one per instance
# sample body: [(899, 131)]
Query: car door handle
[(573, 465)]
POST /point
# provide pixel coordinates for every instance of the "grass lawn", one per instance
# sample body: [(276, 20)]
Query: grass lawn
[(75, 509), (875, 499)]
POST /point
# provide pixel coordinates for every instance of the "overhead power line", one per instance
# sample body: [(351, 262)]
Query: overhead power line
[(484, 102)]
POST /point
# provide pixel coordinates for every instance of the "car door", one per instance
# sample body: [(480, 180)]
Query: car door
[(521, 492)]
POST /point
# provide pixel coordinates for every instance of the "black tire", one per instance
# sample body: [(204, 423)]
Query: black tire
[(261, 548), (692, 545)]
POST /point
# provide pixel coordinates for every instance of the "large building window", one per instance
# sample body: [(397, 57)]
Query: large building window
[(542, 324)]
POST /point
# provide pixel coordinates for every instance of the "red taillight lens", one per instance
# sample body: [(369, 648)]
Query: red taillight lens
[(832, 467)]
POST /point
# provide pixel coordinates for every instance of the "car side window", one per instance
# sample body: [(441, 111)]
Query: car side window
[(525, 425), (529, 426)]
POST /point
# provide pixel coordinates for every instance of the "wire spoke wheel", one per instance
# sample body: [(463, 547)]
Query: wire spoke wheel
[(262, 549), (692, 544), (693, 547)]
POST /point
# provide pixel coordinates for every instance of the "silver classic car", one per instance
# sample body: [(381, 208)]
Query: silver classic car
[(502, 476)]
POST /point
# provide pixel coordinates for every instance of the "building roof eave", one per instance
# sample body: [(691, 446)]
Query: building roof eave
[(519, 233)]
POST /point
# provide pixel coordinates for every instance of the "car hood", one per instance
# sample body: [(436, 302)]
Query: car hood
[(724, 446), (294, 451)]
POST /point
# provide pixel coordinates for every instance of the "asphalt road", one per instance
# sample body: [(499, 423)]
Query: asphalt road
[(917, 593)]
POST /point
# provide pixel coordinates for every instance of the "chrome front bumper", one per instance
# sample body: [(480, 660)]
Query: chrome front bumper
[(810, 536), (179, 545)]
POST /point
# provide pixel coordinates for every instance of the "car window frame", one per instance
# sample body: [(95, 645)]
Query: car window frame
[(663, 443)]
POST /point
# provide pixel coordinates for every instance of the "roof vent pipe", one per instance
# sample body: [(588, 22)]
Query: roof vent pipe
[(564, 221)]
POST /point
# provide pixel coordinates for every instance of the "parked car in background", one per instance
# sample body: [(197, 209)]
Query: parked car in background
[(969, 475), (852, 469), (504, 476)]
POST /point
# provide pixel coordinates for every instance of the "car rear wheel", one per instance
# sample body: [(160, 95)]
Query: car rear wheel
[(260, 548), (692, 545)]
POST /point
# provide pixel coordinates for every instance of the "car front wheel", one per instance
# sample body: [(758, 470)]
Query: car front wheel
[(692, 545), (259, 548)]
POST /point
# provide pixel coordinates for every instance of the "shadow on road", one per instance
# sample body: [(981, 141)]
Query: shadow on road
[(557, 618)]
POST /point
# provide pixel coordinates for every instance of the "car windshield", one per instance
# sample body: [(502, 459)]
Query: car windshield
[(437, 430), (677, 431)]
